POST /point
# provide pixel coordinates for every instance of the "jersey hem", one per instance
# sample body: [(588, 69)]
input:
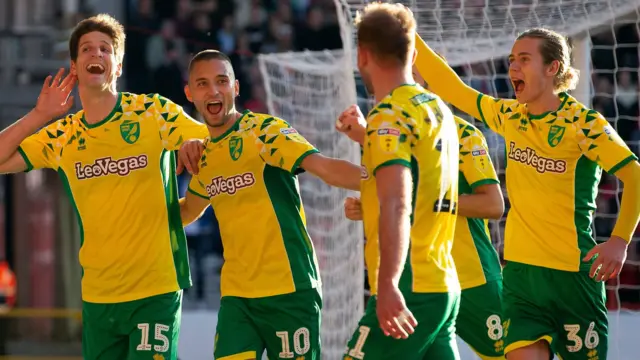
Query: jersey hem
[(131, 297), (189, 189), (622, 164), (392, 162), (271, 292), (564, 267), (483, 182), (25, 158), (296, 164), (476, 283)]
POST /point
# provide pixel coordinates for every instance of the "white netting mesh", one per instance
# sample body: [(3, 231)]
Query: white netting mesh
[(467, 31), (310, 89)]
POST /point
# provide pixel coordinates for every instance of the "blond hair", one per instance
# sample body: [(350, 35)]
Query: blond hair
[(388, 31)]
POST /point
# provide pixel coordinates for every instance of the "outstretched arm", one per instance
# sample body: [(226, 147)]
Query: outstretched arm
[(443, 81), (334, 172)]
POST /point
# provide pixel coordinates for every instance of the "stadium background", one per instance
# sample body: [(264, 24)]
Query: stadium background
[(38, 232)]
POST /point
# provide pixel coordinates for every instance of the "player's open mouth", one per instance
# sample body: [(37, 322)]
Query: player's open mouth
[(95, 69), (518, 85), (214, 107)]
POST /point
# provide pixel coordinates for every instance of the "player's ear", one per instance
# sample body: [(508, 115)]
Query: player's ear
[(414, 56), (553, 68), (119, 69), (72, 68), (236, 88), (187, 93)]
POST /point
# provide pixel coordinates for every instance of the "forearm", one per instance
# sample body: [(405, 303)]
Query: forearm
[(344, 174), (394, 235), (482, 206), (188, 214), (334, 172), (12, 136), (629, 207), (443, 81)]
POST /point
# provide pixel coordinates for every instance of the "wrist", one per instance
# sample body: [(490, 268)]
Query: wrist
[(619, 239), (39, 116), (388, 282)]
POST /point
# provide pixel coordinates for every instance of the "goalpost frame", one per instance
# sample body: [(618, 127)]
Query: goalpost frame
[(582, 63)]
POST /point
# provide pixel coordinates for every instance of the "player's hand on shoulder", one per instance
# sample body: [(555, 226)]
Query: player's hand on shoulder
[(353, 208), (393, 315), (611, 256), (189, 156), (54, 100), (352, 123)]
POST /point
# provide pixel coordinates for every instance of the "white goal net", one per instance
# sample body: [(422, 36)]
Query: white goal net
[(310, 89)]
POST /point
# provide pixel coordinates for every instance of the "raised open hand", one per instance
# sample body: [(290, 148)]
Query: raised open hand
[(54, 100)]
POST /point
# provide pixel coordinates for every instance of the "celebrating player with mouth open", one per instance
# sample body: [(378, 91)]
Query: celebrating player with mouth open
[(554, 297), (246, 170), (115, 158)]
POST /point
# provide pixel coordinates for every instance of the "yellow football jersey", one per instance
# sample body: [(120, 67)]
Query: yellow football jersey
[(120, 176), (477, 262), (554, 164), (249, 176), (414, 128)]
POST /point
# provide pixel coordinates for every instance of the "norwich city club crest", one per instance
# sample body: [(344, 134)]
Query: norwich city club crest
[(555, 135), (235, 148), (130, 131)]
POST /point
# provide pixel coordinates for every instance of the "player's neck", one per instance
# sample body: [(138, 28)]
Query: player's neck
[(218, 131), (546, 102), (97, 105), (386, 81)]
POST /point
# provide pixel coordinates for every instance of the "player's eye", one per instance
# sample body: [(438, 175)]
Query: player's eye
[(222, 81)]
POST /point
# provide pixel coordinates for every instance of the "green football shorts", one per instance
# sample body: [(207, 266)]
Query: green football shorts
[(479, 321), (434, 337), (286, 326), (566, 309), (135, 330)]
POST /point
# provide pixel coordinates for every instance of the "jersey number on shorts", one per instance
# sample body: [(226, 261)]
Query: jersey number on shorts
[(494, 326), (356, 352), (591, 339), (158, 335), (301, 343)]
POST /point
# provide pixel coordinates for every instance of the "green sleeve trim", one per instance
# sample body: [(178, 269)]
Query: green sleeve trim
[(189, 189), (296, 165), (392, 162), (26, 159), (622, 163), (483, 182), (479, 105)]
